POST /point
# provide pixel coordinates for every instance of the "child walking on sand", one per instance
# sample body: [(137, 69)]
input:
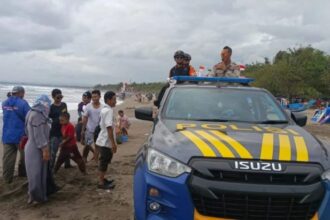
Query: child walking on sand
[(69, 148)]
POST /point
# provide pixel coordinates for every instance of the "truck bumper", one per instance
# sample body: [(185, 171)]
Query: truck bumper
[(175, 201)]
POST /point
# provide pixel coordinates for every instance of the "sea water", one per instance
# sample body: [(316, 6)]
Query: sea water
[(72, 96)]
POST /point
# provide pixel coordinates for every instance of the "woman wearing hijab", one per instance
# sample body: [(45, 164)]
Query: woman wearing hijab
[(37, 149)]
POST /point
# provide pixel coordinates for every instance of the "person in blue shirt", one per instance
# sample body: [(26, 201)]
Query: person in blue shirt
[(15, 108)]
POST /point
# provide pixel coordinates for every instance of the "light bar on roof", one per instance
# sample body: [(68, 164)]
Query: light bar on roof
[(213, 79)]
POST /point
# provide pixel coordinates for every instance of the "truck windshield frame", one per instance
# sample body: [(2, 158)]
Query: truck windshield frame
[(222, 104)]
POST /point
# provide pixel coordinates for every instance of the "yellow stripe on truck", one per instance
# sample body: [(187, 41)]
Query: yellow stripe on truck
[(302, 151), (267, 147), (223, 149), (315, 217), (205, 149), (198, 216), (285, 148), (240, 149)]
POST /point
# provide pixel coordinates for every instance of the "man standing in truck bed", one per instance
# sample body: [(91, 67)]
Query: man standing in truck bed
[(226, 68)]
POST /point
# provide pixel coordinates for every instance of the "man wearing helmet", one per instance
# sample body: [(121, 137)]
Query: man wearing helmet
[(226, 68), (179, 69), (186, 62)]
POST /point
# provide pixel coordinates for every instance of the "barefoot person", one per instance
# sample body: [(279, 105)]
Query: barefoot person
[(68, 146), (107, 139), (37, 149), (91, 118)]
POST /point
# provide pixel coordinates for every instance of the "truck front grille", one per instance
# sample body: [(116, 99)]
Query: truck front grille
[(265, 178), (219, 190), (255, 207)]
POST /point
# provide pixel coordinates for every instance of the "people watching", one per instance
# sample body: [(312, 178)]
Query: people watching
[(37, 152), (15, 109), (107, 139), (226, 68), (91, 118), (68, 146), (86, 99), (56, 109)]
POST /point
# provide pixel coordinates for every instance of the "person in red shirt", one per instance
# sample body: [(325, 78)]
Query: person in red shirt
[(68, 146)]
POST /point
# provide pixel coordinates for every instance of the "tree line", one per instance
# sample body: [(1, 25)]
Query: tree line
[(152, 87), (299, 72)]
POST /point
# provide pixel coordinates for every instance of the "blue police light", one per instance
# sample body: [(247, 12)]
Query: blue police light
[(213, 79)]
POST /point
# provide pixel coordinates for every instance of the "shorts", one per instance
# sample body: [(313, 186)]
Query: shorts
[(71, 152), (67, 153), (89, 138), (105, 158)]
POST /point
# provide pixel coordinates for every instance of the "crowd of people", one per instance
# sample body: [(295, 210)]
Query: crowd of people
[(46, 139), (40, 131)]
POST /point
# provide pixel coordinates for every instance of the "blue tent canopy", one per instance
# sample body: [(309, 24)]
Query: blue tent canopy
[(321, 116)]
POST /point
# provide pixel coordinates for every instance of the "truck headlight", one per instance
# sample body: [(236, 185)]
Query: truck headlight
[(164, 165), (326, 175)]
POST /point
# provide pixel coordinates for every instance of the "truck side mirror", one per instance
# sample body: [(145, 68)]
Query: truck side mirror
[(299, 117), (144, 113)]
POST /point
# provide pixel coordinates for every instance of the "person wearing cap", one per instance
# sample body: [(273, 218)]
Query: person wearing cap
[(55, 135), (226, 68), (179, 69), (186, 62), (15, 109), (86, 99)]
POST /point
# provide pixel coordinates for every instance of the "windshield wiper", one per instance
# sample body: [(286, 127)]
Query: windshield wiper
[(213, 119), (273, 122)]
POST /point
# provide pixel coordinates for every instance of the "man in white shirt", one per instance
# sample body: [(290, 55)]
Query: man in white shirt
[(107, 139), (90, 120)]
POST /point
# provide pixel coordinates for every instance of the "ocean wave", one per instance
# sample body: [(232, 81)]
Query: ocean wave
[(72, 96), (72, 106)]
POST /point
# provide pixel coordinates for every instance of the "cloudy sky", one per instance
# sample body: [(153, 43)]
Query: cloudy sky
[(85, 42)]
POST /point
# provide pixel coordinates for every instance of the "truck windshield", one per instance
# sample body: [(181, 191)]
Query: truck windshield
[(225, 104)]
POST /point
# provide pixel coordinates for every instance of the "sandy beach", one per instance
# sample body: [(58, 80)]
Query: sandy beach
[(80, 199)]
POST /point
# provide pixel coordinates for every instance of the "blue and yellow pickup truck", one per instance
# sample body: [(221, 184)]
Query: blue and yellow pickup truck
[(220, 149)]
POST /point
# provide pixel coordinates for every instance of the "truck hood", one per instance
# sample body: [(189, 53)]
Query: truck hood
[(183, 140)]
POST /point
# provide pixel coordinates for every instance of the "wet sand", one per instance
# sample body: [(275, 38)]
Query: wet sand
[(80, 199)]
